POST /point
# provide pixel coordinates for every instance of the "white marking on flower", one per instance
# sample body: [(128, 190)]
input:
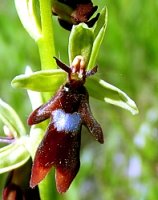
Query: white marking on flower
[(68, 122)]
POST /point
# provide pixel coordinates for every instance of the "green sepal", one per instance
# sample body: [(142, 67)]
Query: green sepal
[(104, 91), (98, 32), (80, 42), (28, 14), (101, 22), (14, 155), (10, 118), (41, 81)]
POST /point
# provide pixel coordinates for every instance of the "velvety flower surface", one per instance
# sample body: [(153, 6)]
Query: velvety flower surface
[(71, 12), (68, 110)]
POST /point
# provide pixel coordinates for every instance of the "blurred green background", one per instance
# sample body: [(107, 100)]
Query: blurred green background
[(125, 167)]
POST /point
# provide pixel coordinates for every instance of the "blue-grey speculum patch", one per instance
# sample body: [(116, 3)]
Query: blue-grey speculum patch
[(68, 122)]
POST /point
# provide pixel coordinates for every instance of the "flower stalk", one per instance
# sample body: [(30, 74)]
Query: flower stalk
[(47, 188), (46, 47), (46, 42)]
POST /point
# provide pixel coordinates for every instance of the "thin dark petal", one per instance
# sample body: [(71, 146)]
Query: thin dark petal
[(61, 150), (89, 120), (62, 65)]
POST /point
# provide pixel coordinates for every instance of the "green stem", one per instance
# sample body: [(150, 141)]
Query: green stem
[(46, 47), (46, 42), (47, 188)]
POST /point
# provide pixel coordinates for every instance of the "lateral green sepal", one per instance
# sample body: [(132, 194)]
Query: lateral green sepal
[(41, 81), (104, 91), (11, 119)]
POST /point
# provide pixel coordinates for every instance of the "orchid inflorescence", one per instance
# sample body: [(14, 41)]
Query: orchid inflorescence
[(56, 144)]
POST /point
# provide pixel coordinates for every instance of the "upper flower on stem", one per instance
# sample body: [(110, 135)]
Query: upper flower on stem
[(69, 110), (71, 12)]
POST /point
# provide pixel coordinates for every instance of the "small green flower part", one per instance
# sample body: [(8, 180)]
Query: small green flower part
[(108, 93), (15, 153), (98, 32), (11, 119)]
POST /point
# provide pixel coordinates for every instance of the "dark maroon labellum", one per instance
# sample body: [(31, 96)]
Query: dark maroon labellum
[(68, 110)]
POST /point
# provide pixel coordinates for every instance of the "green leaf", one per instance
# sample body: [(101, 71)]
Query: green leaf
[(13, 155), (102, 90), (80, 42), (28, 15), (41, 81), (98, 32), (11, 119)]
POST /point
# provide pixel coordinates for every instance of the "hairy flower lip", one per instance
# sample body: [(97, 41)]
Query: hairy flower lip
[(57, 150)]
